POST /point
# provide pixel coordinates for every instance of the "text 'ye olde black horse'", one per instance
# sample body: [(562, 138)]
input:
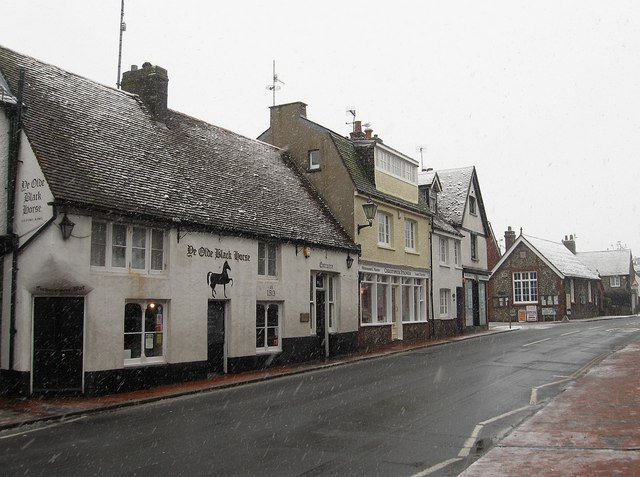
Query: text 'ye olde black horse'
[(214, 279)]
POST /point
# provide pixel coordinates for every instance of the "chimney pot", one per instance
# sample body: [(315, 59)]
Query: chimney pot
[(367, 133), (357, 126), (134, 67)]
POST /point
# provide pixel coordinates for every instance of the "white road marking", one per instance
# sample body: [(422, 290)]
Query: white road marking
[(435, 468), (535, 342), (56, 424), (571, 333)]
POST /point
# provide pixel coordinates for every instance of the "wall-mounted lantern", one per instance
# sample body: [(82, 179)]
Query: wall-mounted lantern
[(349, 260), (370, 210), (66, 227)]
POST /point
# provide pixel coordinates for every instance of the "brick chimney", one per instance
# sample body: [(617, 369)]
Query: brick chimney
[(151, 84), (570, 243), (509, 238), (357, 131)]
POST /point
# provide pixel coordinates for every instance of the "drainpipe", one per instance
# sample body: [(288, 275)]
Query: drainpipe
[(14, 148), (432, 330)]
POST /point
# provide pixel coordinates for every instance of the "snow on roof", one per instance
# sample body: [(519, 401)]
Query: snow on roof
[(426, 177), (453, 198), (5, 94), (609, 262), (561, 258)]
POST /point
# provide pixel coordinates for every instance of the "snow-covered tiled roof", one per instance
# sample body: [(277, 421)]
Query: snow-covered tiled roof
[(426, 177), (453, 198), (5, 94), (609, 262), (561, 258), (99, 148)]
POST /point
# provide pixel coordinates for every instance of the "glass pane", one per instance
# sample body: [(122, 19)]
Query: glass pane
[(260, 316), (272, 336), (157, 260), (157, 239), (272, 315), (119, 257), (260, 338), (98, 244), (139, 237), (119, 235), (365, 302), (261, 259), (382, 303), (271, 271), (132, 318), (132, 345), (406, 303), (137, 259)]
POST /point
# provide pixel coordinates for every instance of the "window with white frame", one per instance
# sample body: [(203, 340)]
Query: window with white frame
[(472, 205), (367, 298), (375, 299), (445, 298), (525, 287), (267, 326), (457, 257), (572, 287), (121, 246), (267, 259), (413, 306), (384, 229), (383, 303), (396, 166), (144, 337), (444, 251), (474, 247), (314, 159), (614, 281), (589, 292), (410, 235)]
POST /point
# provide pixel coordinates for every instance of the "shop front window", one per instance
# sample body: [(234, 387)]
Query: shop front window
[(144, 324)]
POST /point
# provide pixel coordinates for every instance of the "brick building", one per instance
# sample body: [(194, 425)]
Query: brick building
[(540, 280)]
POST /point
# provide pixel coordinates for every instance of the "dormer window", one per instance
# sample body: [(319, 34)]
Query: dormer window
[(314, 160), (433, 200)]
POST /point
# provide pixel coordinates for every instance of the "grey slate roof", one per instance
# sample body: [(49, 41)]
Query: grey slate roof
[(560, 257), (453, 198), (609, 262), (100, 149), (440, 224)]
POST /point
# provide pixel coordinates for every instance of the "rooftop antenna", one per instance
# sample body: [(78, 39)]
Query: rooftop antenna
[(123, 28), (273, 87), (352, 112)]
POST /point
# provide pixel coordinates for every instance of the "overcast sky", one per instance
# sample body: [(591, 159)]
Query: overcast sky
[(542, 97)]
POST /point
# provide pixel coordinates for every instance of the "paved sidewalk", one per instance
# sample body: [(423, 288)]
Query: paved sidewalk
[(17, 412), (590, 429)]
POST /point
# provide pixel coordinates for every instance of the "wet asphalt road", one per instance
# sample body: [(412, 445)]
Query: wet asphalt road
[(407, 414)]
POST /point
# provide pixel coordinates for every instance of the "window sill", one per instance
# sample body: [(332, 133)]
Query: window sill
[(386, 247), (263, 351), (445, 265), (130, 363), (314, 169), (411, 252), (375, 324)]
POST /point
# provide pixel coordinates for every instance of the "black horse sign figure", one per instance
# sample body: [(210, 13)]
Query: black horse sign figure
[(214, 279)]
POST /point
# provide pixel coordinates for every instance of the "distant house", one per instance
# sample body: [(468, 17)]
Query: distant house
[(615, 268), (144, 246), (446, 266), (540, 280), (460, 204)]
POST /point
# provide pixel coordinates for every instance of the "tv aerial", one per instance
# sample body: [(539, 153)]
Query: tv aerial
[(273, 87), (421, 149)]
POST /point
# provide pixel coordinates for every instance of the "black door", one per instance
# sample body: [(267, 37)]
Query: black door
[(476, 304), (58, 326), (320, 314), (460, 308), (215, 336)]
